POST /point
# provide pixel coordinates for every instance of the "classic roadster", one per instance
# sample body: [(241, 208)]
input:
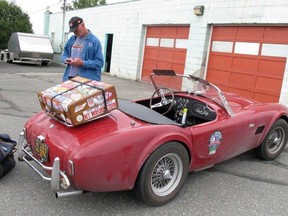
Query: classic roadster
[(150, 145)]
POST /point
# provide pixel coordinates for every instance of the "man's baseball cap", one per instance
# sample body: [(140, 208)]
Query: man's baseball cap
[(74, 22)]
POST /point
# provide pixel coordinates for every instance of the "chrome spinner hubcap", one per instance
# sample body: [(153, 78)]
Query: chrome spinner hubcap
[(166, 174), (276, 140)]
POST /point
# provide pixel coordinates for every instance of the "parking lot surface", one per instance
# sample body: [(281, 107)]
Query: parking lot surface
[(243, 185)]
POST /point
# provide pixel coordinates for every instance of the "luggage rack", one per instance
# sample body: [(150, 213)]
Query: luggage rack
[(70, 125)]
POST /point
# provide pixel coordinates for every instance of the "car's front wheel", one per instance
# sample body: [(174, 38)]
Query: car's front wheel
[(274, 142), (163, 174)]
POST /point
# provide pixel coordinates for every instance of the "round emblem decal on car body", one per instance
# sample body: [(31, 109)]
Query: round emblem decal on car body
[(214, 142)]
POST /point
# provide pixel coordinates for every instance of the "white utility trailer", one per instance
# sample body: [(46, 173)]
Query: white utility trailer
[(29, 48)]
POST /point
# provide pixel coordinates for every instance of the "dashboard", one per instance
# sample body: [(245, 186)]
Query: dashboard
[(195, 108)]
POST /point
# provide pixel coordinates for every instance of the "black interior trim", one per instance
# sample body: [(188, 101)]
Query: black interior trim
[(144, 113)]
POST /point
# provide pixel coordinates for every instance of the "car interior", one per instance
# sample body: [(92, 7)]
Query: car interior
[(172, 113), (169, 107)]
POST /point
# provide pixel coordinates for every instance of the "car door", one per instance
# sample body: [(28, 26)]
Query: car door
[(221, 139)]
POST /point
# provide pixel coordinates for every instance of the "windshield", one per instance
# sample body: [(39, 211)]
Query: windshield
[(189, 84)]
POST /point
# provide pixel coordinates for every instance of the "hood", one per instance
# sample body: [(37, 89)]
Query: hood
[(239, 103)]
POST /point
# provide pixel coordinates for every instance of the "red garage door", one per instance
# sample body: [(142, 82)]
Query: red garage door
[(165, 48), (249, 61)]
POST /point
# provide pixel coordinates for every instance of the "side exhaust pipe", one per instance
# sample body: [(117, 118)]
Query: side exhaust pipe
[(60, 194)]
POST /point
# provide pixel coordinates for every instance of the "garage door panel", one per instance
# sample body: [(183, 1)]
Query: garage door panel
[(169, 32), (183, 32), (153, 32), (242, 80), (164, 65), (241, 92), (150, 63), (268, 85), (272, 68), (224, 32), (249, 33), (245, 65), (149, 66), (166, 54), (180, 55), (265, 98), (275, 34), (219, 77), (222, 87), (220, 61), (178, 68), (151, 53)]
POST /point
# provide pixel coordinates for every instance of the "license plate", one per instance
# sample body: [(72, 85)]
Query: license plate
[(42, 150)]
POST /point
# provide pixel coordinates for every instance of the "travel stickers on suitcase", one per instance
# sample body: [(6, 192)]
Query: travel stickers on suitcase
[(78, 100)]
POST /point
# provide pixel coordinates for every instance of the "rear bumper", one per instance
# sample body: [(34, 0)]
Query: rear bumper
[(58, 178)]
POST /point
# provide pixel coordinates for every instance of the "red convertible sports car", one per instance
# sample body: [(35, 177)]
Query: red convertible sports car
[(150, 145)]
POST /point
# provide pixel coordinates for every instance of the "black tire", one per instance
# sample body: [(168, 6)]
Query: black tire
[(44, 63), (8, 60), (274, 142), (163, 174)]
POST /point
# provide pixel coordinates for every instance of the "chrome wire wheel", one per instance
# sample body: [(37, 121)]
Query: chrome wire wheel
[(276, 140), (163, 174), (166, 174)]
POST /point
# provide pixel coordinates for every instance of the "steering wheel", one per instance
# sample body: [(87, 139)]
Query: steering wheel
[(161, 92)]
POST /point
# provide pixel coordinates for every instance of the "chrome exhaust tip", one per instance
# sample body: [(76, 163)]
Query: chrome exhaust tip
[(61, 194)]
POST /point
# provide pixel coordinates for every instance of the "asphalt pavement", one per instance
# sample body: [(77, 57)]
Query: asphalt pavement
[(243, 185)]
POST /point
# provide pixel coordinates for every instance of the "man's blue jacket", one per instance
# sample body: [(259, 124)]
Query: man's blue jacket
[(91, 55)]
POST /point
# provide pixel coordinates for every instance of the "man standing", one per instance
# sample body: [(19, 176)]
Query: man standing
[(82, 52)]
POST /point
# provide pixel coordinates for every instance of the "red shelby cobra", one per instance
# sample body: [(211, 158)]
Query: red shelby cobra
[(150, 145)]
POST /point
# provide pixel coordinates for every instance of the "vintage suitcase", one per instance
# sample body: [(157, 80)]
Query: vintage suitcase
[(78, 100)]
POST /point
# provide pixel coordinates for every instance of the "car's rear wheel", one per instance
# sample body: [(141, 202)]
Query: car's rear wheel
[(274, 142), (163, 174), (44, 63)]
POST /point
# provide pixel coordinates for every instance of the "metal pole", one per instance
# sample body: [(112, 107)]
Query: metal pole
[(63, 26)]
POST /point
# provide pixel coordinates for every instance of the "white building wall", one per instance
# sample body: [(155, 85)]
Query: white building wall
[(129, 38), (127, 22)]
